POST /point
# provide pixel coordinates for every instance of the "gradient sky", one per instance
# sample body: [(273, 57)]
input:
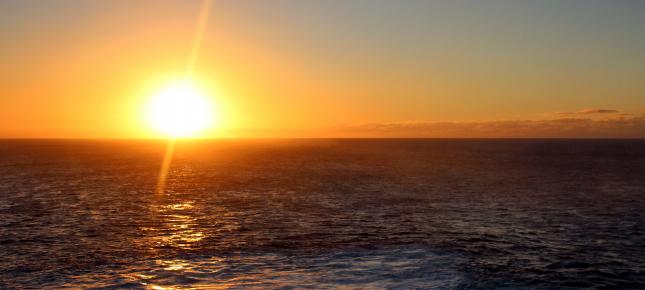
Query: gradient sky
[(291, 68)]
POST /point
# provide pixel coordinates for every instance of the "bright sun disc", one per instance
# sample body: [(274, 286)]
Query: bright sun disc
[(180, 110)]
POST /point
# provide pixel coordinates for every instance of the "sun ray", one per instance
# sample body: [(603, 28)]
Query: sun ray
[(202, 21), (165, 166)]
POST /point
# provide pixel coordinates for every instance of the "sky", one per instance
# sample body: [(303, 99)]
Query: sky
[(328, 68)]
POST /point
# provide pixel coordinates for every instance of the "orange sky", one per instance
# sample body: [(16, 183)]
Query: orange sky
[(84, 69)]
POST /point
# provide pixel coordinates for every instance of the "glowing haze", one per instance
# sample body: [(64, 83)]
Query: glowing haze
[(88, 69)]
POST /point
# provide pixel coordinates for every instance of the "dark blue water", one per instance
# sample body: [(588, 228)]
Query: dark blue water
[(399, 214)]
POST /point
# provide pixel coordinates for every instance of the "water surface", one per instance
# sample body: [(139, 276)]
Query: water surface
[(444, 214)]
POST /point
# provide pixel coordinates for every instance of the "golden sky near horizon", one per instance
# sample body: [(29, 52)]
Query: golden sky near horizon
[(86, 69)]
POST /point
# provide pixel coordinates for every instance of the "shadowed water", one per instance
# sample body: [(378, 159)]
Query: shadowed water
[(458, 214)]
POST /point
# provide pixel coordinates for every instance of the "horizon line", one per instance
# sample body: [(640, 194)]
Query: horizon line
[(308, 138)]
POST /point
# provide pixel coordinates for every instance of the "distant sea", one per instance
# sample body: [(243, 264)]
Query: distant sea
[(323, 213)]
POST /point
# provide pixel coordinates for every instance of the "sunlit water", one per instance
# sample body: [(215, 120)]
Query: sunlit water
[(323, 214)]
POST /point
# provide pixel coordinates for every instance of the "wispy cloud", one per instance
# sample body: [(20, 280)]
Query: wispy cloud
[(618, 127), (598, 111), (588, 123), (590, 111)]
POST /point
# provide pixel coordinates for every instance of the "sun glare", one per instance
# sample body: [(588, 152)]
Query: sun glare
[(180, 110)]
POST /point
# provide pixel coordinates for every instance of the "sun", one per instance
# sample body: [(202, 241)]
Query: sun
[(180, 110)]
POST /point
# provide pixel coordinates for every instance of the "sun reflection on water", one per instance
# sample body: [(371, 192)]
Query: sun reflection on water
[(177, 231), (178, 227)]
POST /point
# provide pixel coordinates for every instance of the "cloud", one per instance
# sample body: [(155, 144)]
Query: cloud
[(590, 111), (618, 127), (598, 111), (589, 123)]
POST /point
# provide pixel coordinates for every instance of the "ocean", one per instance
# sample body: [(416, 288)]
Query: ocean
[(323, 213)]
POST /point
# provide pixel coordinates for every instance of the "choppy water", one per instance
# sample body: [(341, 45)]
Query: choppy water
[(399, 214)]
